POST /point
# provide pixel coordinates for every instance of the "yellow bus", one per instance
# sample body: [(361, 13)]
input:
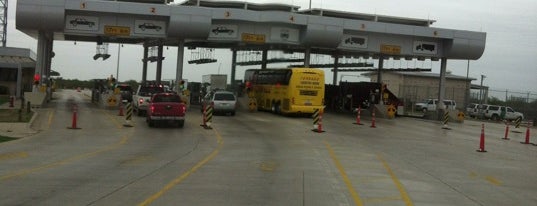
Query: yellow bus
[(289, 90)]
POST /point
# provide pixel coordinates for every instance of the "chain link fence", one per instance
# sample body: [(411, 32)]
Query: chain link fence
[(520, 101)]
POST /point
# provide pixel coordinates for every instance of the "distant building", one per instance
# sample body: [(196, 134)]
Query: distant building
[(10, 60), (412, 87)]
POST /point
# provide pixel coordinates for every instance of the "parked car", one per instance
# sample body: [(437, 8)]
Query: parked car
[(222, 102), (473, 110), (430, 105), (496, 112), (166, 108)]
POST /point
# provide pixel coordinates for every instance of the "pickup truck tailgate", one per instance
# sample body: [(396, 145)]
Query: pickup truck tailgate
[(167, 109)]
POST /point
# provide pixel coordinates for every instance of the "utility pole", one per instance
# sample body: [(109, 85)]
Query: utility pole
[(481, 93)]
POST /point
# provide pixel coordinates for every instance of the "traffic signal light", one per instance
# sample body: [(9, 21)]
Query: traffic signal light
[(37, 77), (182, 85)]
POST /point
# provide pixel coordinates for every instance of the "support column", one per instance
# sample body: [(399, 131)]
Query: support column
[(441, 108), (48, 61), (381, 66), (40, 61), (159, 64), (179, 69), (307, 55), (49, 55), (18, 91), (144, 67), (264, 59), (336, 62), (234, 68)]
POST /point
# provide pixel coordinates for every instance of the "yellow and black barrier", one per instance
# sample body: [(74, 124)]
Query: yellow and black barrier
[(128, 117), (445, 120), (518, 120), (207, 117), (317, 121)]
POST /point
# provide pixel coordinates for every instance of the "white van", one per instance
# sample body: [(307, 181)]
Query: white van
[(430, 105)]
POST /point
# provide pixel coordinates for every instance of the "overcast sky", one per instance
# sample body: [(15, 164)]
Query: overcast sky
[(509, 61)]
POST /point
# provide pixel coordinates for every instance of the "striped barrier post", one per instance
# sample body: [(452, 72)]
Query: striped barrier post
[(445, 120), (128, 117), (317, 121), (517, 123), (207, 117)]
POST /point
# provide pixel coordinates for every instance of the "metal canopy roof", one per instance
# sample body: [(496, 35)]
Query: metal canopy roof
[(253, 26), (242, 5), (148, 1), (368, 17), (11, 57), (426, 75)]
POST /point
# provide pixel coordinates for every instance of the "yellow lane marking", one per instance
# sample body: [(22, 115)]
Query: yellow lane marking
[(400, 187), (493, 180), (114, 120), (183, 176), (354, 194), (13, 155), (65, 161), (50, 117), (490, 179)]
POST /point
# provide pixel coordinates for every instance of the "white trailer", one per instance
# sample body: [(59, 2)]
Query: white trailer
[(215, 81)]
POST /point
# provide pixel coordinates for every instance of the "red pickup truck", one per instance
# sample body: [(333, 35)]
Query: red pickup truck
[(166, 107)]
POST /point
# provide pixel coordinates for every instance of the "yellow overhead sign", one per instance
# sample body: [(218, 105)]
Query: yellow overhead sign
[(390, 49), (117, 30), (253, 38)]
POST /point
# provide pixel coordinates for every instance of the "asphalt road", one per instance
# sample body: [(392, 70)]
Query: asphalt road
[(261, 159)]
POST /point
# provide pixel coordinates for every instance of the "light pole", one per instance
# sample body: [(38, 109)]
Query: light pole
[(481, 94), (467, 93), (117, 69), (481, 89)]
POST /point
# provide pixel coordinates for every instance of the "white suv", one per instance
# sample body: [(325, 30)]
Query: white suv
[(496, 112), (430, 105)]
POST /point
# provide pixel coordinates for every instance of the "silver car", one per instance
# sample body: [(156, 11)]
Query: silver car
[(221, 101)]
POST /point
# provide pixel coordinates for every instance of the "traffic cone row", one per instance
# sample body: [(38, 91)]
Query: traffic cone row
[(482, 138)]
